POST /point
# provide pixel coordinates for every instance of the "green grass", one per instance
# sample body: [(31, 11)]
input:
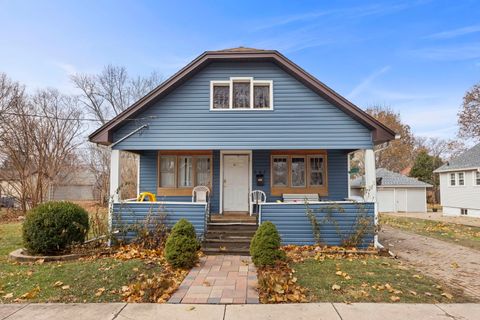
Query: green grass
[(320, 276), (467, 236), (84, 278)]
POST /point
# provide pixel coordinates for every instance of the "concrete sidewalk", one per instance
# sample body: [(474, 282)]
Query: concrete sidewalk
[(320, 311)]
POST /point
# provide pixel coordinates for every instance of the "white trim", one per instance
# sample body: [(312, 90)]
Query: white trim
[(314, 202), (138, 175), (456, 170), (252, 84), (162, 202), (250, 169)]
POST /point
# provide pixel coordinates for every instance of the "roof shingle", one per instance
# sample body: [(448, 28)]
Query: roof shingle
[(467, 160), (390, 178)]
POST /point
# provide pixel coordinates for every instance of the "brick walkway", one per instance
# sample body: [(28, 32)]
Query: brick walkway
[(456, 265), (219, 279)]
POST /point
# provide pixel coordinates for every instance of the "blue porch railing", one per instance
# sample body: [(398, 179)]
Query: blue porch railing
[(338, 221), (129, 214)]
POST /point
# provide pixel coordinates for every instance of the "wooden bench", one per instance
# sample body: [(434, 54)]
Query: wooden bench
[(299, 197)]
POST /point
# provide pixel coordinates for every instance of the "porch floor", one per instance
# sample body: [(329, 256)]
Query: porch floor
[(219, 279)]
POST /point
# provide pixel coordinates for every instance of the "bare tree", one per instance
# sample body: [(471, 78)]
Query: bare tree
[(469, 114), (105, 95), (39, 139), (444, 149), (111, 91)]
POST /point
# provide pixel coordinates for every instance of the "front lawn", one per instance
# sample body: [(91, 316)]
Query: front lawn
[(98, 279), (460, 234), (339, 278)]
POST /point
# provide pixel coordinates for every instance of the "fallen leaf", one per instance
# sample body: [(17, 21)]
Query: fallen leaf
[(336, 287), (66, 287), (395, 298), (100, 291), (412, 292), (31, 294), (190, 308), (40, 261), (454, 265), (58, 284), (8, 296), (417, 276), (447, 295)]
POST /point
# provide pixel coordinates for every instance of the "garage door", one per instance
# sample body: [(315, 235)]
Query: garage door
[(416, 200), (401, 200), (385, 200)]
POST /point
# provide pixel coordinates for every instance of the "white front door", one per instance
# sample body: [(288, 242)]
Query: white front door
[(235, 182)]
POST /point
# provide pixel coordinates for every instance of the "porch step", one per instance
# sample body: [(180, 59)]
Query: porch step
[(217, 251), (234, 238)]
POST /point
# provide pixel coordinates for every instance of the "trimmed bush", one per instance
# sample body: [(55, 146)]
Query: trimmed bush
[(52, 227), (182, 245), (265, 245)]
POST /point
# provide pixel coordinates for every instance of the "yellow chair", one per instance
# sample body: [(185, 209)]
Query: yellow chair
[(146, 196)]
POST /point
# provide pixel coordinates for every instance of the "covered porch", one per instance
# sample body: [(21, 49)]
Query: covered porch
[(231, 176)]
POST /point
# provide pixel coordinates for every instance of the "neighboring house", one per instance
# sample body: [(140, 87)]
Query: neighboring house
[(76, 185), (460, 184), (239, 120), (395, 192)]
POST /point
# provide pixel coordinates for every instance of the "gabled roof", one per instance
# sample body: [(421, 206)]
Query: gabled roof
[(470, 159), (390, 179), (380, 133)]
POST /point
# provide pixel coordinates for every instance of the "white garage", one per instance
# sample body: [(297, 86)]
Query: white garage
[(396, 192)]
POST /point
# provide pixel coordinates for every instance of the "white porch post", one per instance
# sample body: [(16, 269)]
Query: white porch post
[(370, 192), (114, 195)]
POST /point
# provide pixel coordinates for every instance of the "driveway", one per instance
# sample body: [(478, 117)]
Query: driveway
[(455, 265), (437, 216)]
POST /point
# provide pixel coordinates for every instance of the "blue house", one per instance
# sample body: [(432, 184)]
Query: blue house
[(237, 121)]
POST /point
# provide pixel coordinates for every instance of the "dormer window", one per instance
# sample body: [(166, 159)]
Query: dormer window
[(241, 94)]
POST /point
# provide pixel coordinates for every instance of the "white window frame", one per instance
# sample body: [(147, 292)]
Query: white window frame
[(475, 178), (458, 179), (252, 85), (454, 179)]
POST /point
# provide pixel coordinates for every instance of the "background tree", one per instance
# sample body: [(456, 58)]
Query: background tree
[(40, 135), (105, 95), (423, 168), (469, 114), (400, 153)]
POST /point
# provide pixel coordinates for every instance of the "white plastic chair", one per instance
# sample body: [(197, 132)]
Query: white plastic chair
[(257, 197), (201, 194)]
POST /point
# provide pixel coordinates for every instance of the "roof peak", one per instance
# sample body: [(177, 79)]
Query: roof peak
[(241, 49)]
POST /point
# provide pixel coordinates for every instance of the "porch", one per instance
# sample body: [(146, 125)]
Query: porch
[(231, 175)]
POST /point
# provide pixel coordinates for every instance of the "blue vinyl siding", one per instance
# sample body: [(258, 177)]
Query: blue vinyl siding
[(295, 227), (301, 119), (127, 215), (337, 176)]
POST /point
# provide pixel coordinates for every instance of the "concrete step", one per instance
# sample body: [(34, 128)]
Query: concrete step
[(232, 251)]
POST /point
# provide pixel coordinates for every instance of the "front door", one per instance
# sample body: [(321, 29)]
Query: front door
[(235, 182)]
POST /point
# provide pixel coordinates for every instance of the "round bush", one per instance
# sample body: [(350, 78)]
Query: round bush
[(182, 245), (53, 226), (265, 245)]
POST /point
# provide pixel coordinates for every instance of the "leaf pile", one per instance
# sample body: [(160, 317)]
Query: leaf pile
[(156, 287), (278, 284), (301, 253)]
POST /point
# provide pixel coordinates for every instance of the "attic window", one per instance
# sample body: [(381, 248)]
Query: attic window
[(241, 94)]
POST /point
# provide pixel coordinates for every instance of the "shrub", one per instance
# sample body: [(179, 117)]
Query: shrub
[(182, 245), (265, 245), (53, 226)]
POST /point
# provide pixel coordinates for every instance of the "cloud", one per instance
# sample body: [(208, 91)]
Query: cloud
[(455, 32), (69, 69), (366, 82), (450, 53)]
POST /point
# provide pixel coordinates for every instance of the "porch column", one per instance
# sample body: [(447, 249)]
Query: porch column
[(115, 176), (370, 191)]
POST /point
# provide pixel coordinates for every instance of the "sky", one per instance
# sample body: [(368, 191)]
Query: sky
[(417, 57)]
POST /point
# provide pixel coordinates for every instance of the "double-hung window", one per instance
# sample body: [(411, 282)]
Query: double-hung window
[(453, 180), (180, 172), (298, 172), (241, 93), (477, 178), (461, 179)]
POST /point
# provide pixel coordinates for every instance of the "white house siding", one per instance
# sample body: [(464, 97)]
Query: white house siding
[(454, 198)]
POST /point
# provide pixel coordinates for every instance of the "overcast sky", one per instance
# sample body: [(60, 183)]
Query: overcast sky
[(419, 57)]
